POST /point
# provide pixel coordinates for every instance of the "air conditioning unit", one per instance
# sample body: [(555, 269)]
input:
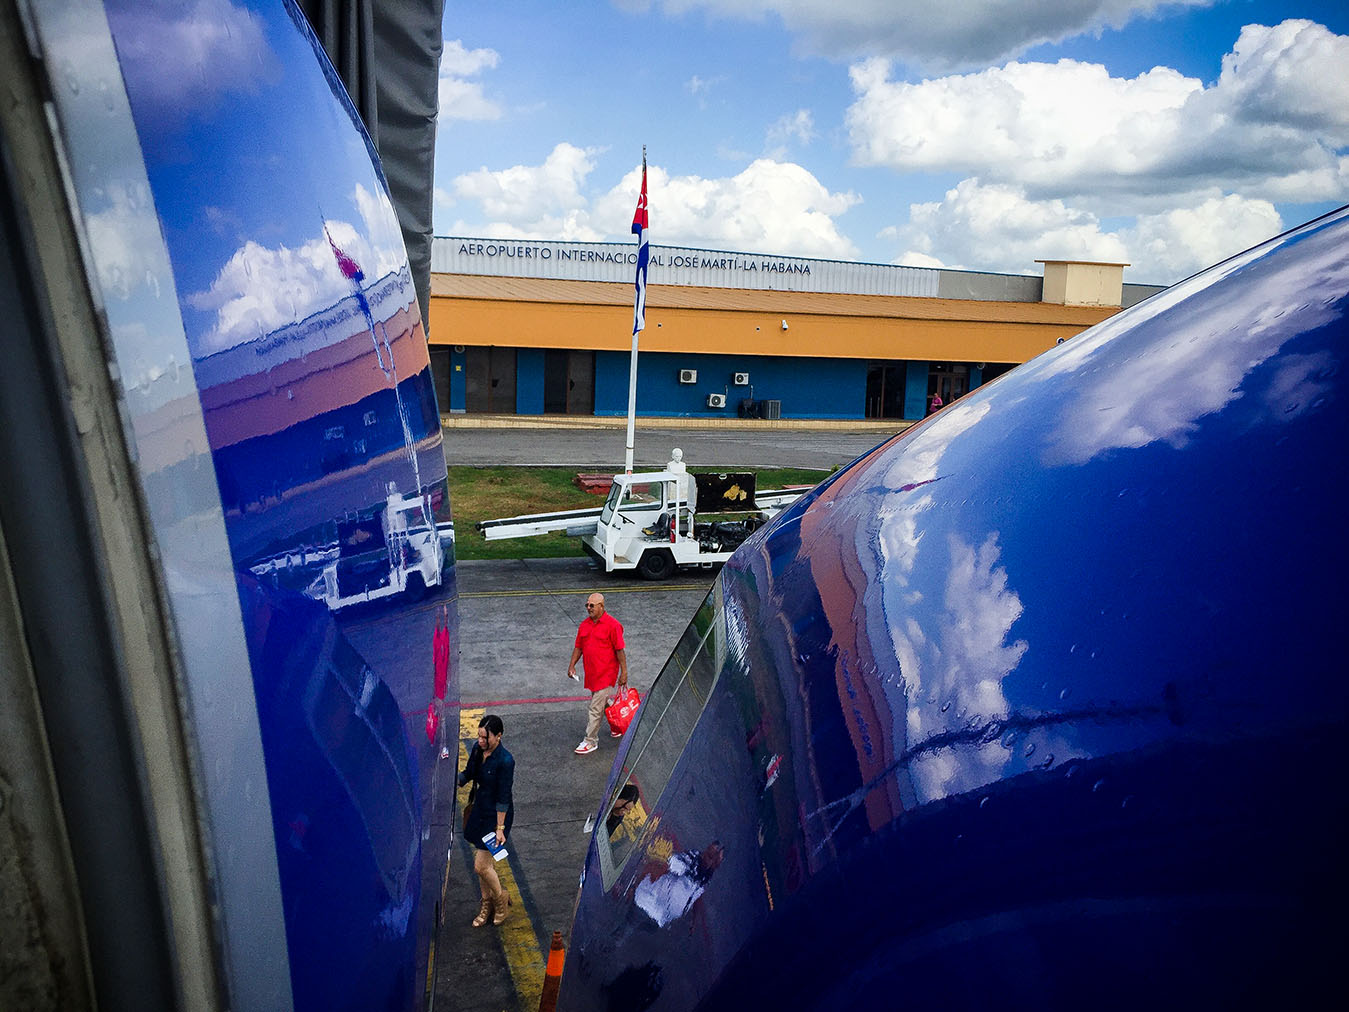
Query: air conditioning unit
[(688, 375), (740, 379), (716, 400)]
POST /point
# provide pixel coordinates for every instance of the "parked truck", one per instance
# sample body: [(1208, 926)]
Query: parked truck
[(398, 548), (659, 521)]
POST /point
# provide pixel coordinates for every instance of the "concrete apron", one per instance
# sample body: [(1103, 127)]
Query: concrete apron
[(886, 425), (521, 618)]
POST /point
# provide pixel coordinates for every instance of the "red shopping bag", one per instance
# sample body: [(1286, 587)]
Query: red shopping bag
[(432, 722), (621, 708)]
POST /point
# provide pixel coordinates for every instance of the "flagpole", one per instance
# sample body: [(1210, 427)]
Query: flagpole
[(639, 223), (632, 404)]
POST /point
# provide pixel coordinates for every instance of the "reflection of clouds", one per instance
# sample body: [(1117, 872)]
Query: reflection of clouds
[(382, 231), (955, 672), (261, 288), (980, 610), (125, 241), (195, 51), (898, 534), (1197, 366), (923, 450), (737, 626), (222, 220), (1299, 383)]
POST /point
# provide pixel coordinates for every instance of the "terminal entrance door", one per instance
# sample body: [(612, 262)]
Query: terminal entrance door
[(569, 383), (885, 390), (950, 381), (489, 381)]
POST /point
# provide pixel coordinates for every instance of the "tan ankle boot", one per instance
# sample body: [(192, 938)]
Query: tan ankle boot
[(502, 903), (484, 912)]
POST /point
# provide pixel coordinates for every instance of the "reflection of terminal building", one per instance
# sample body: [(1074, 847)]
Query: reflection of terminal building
[(318, 400), (527, 327)]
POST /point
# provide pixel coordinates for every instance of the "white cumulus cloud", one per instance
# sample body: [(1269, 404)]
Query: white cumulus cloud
[(1274, 123), (1179, 242), (531, 201), (460, 97), (1064, 160), (770, 207), (997, 227), (1293, 73)]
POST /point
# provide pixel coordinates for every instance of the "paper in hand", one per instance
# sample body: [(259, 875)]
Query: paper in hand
[(498, 850)]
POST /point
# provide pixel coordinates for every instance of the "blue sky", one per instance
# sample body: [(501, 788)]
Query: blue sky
[(983, 135)]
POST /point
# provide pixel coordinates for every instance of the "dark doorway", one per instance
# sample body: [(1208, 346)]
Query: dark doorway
[(995, 369), (950, 381), (489, 381), (569, 382), (885, 389)]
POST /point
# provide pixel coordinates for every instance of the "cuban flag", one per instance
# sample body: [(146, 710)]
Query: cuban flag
[(643, 255)]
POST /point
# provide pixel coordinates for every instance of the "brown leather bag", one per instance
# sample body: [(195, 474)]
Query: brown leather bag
[(468, 805), (470, 776)]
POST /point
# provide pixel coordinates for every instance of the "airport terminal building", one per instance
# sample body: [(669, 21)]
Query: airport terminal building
[(535, 328)]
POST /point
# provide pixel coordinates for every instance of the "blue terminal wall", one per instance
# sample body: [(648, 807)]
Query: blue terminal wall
[(807, 387), (915, 390), (824, 388), (529, 381)]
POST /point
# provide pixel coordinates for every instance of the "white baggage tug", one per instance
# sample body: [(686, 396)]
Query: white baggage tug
[(658, 521)]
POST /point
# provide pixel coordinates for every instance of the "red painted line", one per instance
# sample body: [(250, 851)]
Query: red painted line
[(407, 714), (517, 702)]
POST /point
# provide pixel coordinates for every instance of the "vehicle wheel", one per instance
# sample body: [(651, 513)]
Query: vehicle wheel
[(416, 587), (656, 564)]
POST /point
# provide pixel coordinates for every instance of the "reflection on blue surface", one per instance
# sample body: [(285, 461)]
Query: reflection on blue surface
[(294, 288), (310, 363), (345, 806), (1041, 699)]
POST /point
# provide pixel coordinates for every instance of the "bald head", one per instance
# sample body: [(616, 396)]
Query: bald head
[(595, 606)]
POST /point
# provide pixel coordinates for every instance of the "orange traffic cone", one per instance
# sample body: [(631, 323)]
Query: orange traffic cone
[(552, 977)]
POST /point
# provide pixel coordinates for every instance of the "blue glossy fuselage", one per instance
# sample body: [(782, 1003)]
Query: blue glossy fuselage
[(278, 391), (1040, 702)]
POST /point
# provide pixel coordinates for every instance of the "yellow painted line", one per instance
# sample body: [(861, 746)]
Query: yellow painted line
[(519, 940), (430, 993), (468, 731), (521, 944), (564, 593)]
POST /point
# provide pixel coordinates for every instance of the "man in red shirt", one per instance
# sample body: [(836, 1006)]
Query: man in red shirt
[(599, 640)]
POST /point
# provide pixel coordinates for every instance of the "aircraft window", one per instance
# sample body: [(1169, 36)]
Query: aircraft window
[(610, 504), (644, 496), (687, 647), (665, 723), (671, 677), (627, 816)]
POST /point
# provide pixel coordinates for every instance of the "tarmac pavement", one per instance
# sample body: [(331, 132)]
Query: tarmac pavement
[(518, 622), (601, 446)]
